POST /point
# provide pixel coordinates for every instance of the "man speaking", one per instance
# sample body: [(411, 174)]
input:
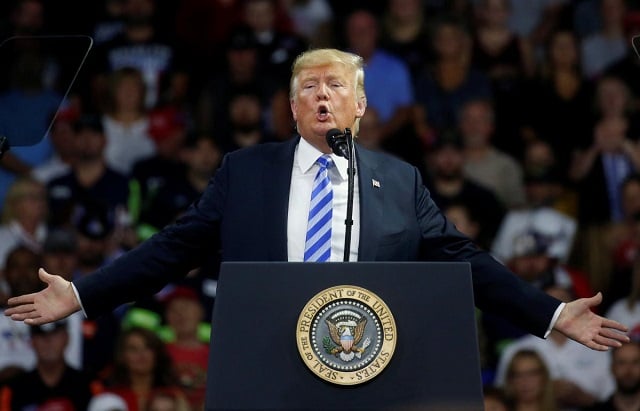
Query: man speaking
[(287, 202)]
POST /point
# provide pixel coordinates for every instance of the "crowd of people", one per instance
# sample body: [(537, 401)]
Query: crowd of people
[(522, 117)]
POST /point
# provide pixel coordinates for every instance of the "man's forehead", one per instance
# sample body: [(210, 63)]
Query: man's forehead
[(325, 71)]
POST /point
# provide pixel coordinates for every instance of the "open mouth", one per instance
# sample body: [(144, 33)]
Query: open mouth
[(323, 113)]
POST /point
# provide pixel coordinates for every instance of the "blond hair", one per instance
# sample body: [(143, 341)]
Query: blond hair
[(323, 57), (547, 399), (21, 187)]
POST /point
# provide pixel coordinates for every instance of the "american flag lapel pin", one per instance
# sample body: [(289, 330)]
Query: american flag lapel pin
[(375, 183)]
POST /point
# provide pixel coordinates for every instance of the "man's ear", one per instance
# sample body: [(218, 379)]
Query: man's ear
[(361, 106), (294, 109)]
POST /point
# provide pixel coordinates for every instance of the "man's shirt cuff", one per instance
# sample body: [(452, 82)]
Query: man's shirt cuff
[(554, 319), (75, 291)]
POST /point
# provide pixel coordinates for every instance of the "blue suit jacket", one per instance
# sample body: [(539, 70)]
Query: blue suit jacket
[(243, 213)]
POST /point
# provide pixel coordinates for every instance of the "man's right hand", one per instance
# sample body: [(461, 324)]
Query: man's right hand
[(56, 301)]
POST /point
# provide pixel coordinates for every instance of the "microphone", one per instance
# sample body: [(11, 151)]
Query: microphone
[(337, 140)]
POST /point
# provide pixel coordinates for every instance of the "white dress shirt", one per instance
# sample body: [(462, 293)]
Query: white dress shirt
[(302, 176)]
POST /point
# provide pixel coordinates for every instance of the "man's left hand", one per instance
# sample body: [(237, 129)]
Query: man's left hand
[(579, 323)]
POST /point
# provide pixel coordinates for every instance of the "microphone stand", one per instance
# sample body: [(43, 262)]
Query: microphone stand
[(4, 145), (348, 222)]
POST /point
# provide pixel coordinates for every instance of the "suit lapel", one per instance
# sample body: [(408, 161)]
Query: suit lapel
[(371, 185), (276, 185)]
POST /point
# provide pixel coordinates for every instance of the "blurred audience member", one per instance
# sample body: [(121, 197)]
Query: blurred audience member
[(202, 27), (277, 48), (24, 217), (498, 50), (539, 158), (63, 138), (125, 121), (537, 216), (91, 180), (168, 400), (369, 132), (625, 241), (534, 258), (627, 67), (494, 399), (168, 129), (388, 87), (458, 9), (625, 368), (535, 19), (21, 275), (444, 86), (184, 314), (528, 384), (141, 45), (626, 310), (312, 20), (242, 70), (614, 100), (559, 101), (508, 60), (107, 401), (201, 157), (60, 252), (110, 23), (598, 172), (141, 365), (405, 33), (608, 45), (94, 229), (52, 384), (544, 183), (580, 376), (247, 127), (26, 18), (448, 185), (485, 164), (537, 257)]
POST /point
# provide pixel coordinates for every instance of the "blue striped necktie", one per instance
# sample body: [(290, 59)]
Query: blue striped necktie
[(318, 242)]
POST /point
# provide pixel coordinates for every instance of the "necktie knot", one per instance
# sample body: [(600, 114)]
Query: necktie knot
[(325, 161)]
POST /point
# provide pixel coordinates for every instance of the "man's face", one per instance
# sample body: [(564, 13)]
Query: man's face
[(476, 124), (49, 347), (362, 33), (325, 98), (183, 316), (625, 367), (21, 272), (448, 163), (259, 15), (90, 145)]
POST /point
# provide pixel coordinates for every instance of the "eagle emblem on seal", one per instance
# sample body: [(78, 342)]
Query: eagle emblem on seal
[(346, 329)]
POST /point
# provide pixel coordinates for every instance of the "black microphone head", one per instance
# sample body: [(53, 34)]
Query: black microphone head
[(337, 140), (332, 135)]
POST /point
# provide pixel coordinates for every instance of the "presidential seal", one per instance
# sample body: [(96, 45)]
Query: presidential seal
[(346, 335)]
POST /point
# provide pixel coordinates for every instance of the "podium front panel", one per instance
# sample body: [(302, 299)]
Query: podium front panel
[(254, 360)]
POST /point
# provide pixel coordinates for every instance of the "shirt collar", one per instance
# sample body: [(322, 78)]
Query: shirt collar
[(308, 154)]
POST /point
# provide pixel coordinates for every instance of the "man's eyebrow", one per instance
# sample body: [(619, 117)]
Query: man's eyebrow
[(310, 77), (334, 77)]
